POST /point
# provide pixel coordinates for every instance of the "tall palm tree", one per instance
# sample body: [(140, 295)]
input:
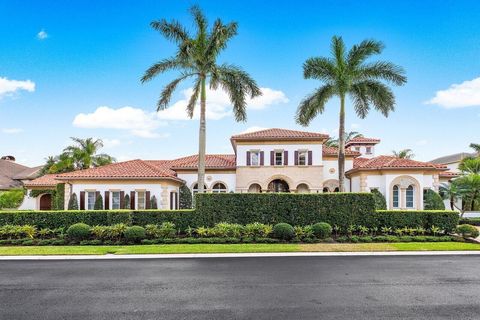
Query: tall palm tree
[(84, 153), (476, 147), (348, 74), (403, 154), (196, 58)]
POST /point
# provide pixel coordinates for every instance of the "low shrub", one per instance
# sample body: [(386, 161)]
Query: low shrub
[(134, 234), (472, 221), (283, 231), (396, 219), (467, 231), (322, 230), (78, 231), (258, 230)]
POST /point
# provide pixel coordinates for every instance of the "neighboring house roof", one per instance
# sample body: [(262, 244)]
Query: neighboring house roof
[(452, 158), (48, 180), (212, 161), (333, 151), (279, 134), (8, 170), (449, 174), (133, 169), (391, 162), (362, 140), (28, 174)]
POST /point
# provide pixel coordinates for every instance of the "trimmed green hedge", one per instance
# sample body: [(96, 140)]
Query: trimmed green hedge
[(181, 218), (445, 220), (341, 209)]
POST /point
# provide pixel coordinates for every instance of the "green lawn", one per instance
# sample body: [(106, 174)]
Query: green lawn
[(236, 248)]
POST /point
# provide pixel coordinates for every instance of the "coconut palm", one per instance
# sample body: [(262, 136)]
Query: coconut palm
[(403, 154), (470, 166), (196, 59), (333, 142), (348, 74), (84, 153)]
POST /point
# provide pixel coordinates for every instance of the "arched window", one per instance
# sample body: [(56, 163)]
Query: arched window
[(195, 188), (325, 190), (219, 188), (337, 189), (409, 197), (395, 196), (255, 188), (303, 188)]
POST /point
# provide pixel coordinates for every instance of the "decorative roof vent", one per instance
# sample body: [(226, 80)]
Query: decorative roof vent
[(9, 158)]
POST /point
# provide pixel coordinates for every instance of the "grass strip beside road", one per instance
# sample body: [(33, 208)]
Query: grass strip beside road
[(236, 248)]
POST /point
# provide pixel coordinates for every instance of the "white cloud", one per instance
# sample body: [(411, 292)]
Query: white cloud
[(111, 143), (12, 130), (254, 129), (42, 35), (355, 126), (465, 94), (137, 121), (8, 87), (218, 104), (422, 142)]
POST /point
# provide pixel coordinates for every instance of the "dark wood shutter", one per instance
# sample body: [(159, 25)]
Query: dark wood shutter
[(82, 200), (107, 200), (248, 158), (272, 158), (147, 200), (296, 158), (310, 158), (122, 199), (285, 158), (171, 200), (262, 158), (132, 200)]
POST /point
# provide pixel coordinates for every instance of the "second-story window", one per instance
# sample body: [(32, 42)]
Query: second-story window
[(357, 149), (302, 158), (255, 158), (368, 150), (278, 157)]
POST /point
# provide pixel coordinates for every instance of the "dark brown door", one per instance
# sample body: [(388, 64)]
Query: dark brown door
[(46, 202)]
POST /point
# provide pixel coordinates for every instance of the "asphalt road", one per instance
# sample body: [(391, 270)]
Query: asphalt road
[(431, 287)]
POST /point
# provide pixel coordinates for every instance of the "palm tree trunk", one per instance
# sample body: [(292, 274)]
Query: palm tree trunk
[(341, 146), (202, 139)]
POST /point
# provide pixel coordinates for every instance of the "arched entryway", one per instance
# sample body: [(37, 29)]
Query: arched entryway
[(255, 188), (278, 185), (46, 202)]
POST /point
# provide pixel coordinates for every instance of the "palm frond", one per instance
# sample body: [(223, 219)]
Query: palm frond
[(319, 68), (379, 95), (359, 53), (360, 99), (382, 70), (194, 97), (219, 38), (313, 104), (200, 19), (162, 66), (171, 30), (338, 51), (168, 90)]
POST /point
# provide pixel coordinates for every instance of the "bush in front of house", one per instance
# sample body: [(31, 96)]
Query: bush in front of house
[(380, 202), (153, 203), (11, 199), (467, 231), (185, 197), (322, 230), (73, 202), (98, 202), (283, 231), (432, 201), (79, 232), (134, 234), (444, 220)]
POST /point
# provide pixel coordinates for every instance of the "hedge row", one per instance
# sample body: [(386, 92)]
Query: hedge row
[(340, 209), (445, 220)]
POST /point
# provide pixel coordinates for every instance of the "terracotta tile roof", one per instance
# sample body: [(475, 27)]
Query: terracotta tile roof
[(391, 162), (362, 140), (134, 169), (280, 134), (333, 151), (48, 180), (449, 174), (212, 161)]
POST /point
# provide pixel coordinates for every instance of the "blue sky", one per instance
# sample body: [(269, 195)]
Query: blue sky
[(73, 68)]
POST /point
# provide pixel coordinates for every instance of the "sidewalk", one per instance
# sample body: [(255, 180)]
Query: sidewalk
[(239, 255)]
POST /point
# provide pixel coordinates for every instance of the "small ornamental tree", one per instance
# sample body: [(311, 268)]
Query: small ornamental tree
[(153, 203), (98, 203), (185, 197), (73, 202), (126, 202), (432, 201), (380, 202)]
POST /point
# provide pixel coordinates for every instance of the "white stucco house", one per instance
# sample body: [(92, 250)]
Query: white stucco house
[(271, 160)]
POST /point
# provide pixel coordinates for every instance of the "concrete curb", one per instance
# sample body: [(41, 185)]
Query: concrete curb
[(239, 255)]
